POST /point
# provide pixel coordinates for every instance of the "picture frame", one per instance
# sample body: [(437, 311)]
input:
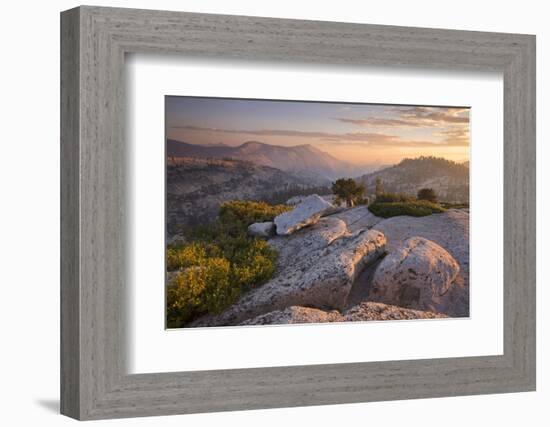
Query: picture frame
[(94, 380)]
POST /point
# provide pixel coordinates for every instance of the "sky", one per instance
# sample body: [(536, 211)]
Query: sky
[(363, 134)]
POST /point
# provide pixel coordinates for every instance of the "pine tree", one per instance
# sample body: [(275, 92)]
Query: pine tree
[(347, 190)]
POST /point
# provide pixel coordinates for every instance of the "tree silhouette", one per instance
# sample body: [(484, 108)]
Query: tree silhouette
[(347, 190), (427, 194)]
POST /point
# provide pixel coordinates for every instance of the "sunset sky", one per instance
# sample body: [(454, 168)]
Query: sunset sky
[(364, 134)]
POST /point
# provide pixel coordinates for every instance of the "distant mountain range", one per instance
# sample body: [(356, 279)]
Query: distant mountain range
[(450, 180), (304, 160)]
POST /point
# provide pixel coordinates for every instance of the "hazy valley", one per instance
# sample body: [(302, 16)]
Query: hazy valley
[(304, 160)]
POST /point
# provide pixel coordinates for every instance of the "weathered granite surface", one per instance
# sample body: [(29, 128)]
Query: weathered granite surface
[(261, 229), (417, 274), (450, 230), (366, 311), (321, 277), (306, 212)]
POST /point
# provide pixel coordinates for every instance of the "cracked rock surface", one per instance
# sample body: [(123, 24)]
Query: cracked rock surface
[(418, 274), (317, 267)]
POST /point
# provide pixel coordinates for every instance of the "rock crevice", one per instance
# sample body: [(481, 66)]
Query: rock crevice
[(319, 272)]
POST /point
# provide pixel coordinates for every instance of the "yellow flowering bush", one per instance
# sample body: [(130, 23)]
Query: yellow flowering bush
[(219, 262)]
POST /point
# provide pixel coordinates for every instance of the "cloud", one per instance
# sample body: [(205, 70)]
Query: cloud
[(397, 143), (261, 132), (438, 116), (455, 136), (414, 117), (450, 127), (366, 139), (379, 122)]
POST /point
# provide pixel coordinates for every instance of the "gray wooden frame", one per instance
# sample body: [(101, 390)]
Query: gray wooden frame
[(94, 41)]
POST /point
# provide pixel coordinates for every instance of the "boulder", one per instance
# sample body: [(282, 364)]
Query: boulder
[(307, 212), (451, 231), (366, 311), (321, 278), (294, 200), (261, 229), (418, 275)]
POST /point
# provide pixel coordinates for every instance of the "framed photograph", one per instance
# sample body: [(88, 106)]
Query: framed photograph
[(262, 213), (336, 212)]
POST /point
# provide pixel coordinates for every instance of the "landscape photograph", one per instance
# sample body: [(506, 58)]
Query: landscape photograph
[(293, 212)]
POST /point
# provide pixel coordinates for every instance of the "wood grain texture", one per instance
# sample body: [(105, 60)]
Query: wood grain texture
[(94, 382), (70, 220)]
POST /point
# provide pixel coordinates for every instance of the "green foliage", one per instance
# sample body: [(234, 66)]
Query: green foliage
[(243, 213), (198, 289), (219, 263), (412, 208), (233, 220), (427, 194), (393, 197), (253, 264), (184, 256), (348, 191)]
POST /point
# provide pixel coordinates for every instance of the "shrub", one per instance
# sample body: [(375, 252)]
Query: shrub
[(253, 265), (184, 256), (211, 277), (243, 213), (219, 262), (233, 220), (197, 289), (413, 208), (427, 194), (393, 197)]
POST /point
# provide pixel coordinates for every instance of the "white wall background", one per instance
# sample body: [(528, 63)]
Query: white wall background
[(29, 214)]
